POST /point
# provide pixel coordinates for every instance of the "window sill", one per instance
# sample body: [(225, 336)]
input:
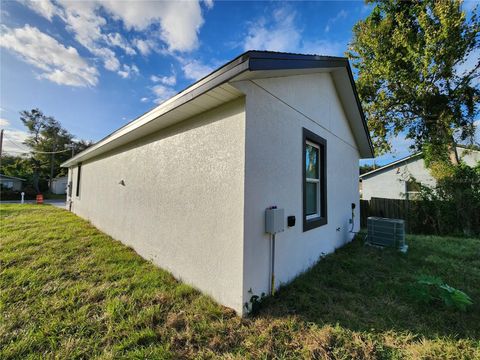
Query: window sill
[(314, 223)]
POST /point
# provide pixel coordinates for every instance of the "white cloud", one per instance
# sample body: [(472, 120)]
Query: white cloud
[(195, 70), (175, 23), (280, 32), (82, 20), (44, 8), (208, 3), (165, 80), (115, 39), (144, 46), (342, 14), (276, 34), (13, 139), (144, 99), (179, 21), (323, 47), (60, 64), (128, 71), (162, 93)]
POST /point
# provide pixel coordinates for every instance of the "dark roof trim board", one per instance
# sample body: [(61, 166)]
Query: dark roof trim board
[(401, 161), (408, 158), (248, 61), (10, 177)]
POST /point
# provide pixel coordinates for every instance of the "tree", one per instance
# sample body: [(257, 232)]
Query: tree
[(51, 145), (35, 122), (366, 168), (16, 166), (409, 57)]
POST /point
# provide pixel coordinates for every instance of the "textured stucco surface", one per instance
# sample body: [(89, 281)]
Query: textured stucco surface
[(181, 204), (277, 109), (194, 195), (391, 182)]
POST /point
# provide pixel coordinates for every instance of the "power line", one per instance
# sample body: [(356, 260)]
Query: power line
[(35, 151)]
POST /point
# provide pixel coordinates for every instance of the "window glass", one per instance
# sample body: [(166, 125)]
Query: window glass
[(311, 159), (314, 181), (79, 173), (311, 198)]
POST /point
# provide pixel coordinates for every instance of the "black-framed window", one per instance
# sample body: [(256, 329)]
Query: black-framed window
[(79, 173), (314, 180)]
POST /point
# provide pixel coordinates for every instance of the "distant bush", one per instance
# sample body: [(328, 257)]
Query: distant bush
[(452, 206), (9, 194)]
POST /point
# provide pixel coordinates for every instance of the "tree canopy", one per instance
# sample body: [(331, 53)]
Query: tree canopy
[(51, 144), (413, 77)]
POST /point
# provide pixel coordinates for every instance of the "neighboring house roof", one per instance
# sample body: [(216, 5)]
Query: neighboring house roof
[(405, 160), (401, 161), (10, 177), (214, 90)]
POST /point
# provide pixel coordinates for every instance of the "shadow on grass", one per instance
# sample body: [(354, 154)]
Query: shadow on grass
[(370, 289)]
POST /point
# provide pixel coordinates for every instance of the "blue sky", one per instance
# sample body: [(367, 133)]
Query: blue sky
[(96, 65)]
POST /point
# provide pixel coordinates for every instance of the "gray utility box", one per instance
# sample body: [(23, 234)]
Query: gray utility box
[(274, 221), (387, 232)]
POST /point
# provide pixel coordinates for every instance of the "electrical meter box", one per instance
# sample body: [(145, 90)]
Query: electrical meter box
[(274, 220)]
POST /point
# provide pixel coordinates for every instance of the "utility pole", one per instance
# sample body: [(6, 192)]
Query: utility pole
[(1, 142), (52, 159)]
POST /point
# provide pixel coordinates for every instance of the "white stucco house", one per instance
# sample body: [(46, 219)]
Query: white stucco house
[(59, 185), (187, 184), (393, 180)]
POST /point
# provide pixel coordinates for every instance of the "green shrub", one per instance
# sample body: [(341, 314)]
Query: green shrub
[(431, 289), (452, 206)]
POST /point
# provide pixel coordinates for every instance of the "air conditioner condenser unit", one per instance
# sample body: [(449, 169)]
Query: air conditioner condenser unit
[(387, 233)]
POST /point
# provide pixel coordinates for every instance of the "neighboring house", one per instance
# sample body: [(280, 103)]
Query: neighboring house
[(187, 184), (393, 181), (12, 183), (59, 185)]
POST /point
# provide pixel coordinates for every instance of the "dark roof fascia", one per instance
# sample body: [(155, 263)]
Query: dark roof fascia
[(257, 60), (11, 177), (403, 160)]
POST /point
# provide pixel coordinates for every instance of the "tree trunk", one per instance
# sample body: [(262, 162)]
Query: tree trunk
[(35, 180), (453, 153)]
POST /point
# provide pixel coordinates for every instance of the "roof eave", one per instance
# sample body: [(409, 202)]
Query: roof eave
[(248, 61)]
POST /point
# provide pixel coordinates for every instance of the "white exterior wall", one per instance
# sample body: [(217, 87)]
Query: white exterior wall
[(470, 157), (59, 185), (391, 182), (273, 174), (183, 200)]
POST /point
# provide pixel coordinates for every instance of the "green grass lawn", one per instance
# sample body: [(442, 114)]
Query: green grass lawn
[(69, 291)]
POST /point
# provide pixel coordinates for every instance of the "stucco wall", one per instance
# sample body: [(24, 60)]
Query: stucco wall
[(182, 201), (390, 183), (470, 157), (277, 109), (59, 185)]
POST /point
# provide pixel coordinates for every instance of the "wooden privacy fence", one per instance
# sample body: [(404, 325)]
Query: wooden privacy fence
[(424, 216), (388, 208)]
